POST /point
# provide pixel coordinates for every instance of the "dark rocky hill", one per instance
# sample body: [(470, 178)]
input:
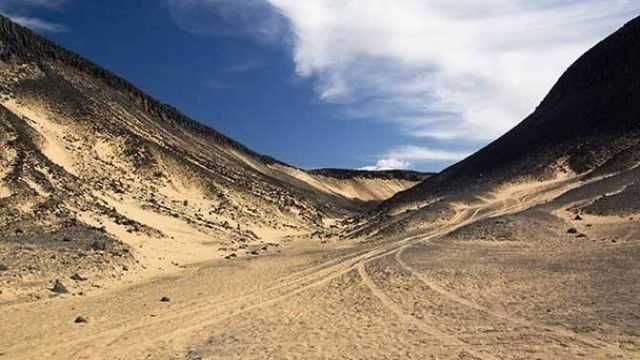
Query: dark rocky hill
[(590, 118)]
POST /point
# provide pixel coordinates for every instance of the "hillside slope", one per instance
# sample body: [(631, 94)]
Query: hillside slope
[(585, 132), (589, 121), (89, 163)]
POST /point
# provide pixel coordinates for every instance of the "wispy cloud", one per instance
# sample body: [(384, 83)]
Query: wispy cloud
[(452, 73), (217, 85), (234, 18), (20, 11), (37, 24), (242, 67), (445, 69)]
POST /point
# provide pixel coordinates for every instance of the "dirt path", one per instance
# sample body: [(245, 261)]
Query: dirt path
[(132, 323)]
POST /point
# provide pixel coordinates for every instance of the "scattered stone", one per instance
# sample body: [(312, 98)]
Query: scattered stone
[(125, 268), (165, 299), (78, 277), (66, 239), (614, 241), (581, 236), (254, 252), (59, 288), (193, 355), (231, 256), (572, 231), (81, 320), (578, 218), (3, 267)]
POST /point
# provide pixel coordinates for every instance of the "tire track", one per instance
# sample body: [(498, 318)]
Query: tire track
[(449, 341), (558, 332)]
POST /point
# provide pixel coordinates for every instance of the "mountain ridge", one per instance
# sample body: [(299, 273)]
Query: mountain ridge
[(575, 127)]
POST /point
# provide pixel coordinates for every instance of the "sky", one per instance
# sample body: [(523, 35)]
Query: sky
[(374, 84)]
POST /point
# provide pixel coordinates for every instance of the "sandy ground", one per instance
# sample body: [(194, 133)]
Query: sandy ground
[(433, 296)]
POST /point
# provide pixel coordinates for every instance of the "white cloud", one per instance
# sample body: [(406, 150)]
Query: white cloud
[(405, 157), (444, 69), (20, 11), (37, 24), (242, 67), (234, 18), (388, 164), (51, 4), (217, 85), (454, 73)]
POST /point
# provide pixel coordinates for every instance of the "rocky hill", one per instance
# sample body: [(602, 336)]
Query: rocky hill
[(589, 122)]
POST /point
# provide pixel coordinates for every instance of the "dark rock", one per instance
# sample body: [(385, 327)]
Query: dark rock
[(165, 299), (231, 256), (193, 355), (581, 236), (578, 218), (59, 288), (572, 231), (78, 277), (99, 245), (81, 320), (3, 267)]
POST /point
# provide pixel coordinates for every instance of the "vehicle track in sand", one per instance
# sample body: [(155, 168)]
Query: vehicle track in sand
[(134, 335)]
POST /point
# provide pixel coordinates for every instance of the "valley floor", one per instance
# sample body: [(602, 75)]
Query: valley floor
[(451, 293)]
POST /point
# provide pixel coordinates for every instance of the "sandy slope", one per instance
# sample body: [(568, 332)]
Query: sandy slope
[(458, 296)]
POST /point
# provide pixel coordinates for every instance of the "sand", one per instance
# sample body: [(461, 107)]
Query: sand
[(415, 297)]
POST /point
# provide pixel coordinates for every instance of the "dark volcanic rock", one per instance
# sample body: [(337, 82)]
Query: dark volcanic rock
[(78, 277), (59, 288), (589, 117), (99, 245)]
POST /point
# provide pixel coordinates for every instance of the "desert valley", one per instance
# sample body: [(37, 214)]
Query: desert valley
[(130, 231)]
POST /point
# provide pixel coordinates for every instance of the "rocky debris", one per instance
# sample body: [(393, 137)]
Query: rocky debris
[(165, 299), (572, 231), (193, 355), (578, 218), (3, 267), (78, 277), (59, 288), (81, 320), (231, 256)]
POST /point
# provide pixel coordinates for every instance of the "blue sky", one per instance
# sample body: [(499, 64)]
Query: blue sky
[(321, 83)]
